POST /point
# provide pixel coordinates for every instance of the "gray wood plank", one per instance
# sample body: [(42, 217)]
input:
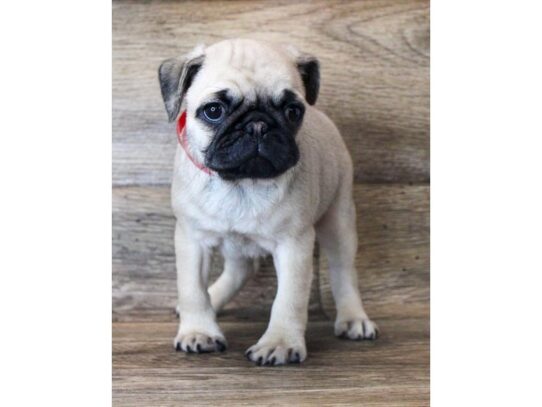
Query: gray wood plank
[(144, 277), (393, 251), (393, 260), (375, 76)]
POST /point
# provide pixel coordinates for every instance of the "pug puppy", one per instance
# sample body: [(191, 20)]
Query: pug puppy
[(258, 170)]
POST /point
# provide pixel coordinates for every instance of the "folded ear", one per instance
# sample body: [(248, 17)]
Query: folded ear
[(309, 69), (176, 76)]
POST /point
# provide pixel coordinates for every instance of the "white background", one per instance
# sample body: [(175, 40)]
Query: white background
[(55, 203), (486, 203)]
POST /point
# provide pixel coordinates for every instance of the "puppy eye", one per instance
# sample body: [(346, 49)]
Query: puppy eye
[(213, 112), (293, 113)]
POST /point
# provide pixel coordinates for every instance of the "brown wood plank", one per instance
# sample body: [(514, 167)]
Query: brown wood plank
[(392, 371), (375, 76), (393, 260)]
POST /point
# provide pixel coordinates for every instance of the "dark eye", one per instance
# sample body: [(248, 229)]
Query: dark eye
[(293, 113), (213, 112)]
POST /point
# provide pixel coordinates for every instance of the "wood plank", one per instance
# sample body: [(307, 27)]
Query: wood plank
[(392, 371), (375, 76), (144, 277), (393, 251), (393, 261)]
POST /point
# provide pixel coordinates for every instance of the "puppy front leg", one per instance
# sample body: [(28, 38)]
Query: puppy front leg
[(284, 340), (198, 330)]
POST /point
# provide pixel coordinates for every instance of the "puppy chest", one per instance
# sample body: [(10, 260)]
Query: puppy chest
[(234, 245)]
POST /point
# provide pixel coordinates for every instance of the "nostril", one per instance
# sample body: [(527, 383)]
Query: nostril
[(256, 128)]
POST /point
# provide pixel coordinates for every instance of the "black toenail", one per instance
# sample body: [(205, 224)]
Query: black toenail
[(260, 360), (178, 347), (297, 358), (188, 349), (272, 362), (198, 348)]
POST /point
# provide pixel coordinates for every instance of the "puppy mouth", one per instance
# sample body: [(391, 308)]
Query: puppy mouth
[(256, 167), (249, 157)]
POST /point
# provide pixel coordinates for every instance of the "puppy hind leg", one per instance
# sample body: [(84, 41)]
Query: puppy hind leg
[(337, 236), (236, 272)]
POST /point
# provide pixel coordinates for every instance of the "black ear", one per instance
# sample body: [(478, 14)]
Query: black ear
[(309, 69), (175, 77)]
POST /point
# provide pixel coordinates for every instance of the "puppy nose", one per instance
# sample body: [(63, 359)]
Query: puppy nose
[(256, 128)]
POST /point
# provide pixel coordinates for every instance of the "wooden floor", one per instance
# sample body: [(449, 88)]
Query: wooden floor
[(374, 59), (392, 371), (393, 264)]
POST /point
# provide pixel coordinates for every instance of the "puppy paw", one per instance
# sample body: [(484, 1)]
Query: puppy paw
[(356, 329), (197, 342), (277, 352)]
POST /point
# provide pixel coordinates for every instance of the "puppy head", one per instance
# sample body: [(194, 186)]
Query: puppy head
[(245, 101)]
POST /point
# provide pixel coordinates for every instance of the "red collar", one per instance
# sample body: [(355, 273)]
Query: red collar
[(181, 136)]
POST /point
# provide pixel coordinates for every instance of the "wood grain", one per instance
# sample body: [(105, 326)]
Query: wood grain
[(144, 277), (393, 251), (374, 56), (375, 76), (393, 260), (392, 371)]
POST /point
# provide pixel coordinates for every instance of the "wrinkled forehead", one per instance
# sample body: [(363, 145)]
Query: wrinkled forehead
[(245, 72)]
